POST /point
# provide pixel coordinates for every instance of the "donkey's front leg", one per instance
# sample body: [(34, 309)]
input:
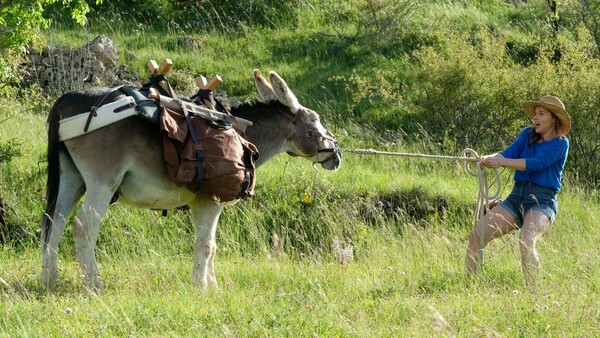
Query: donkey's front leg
[(206, 214), (86, 229)]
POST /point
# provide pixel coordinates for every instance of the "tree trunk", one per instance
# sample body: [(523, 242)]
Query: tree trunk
[(2, 220), (3, 228), (555, 27)]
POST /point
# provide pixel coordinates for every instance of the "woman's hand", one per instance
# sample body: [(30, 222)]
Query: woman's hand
[(492, 161)]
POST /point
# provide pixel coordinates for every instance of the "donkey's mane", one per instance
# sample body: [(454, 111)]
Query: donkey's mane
[(255, 109)]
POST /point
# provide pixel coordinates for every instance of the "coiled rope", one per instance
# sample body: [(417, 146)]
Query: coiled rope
[(468, 156)]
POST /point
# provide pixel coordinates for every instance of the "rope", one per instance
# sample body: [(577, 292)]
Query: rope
[(468, 156), (390, 153)]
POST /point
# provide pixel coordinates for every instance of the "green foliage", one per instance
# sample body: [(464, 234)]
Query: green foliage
[(9, 150), (412, 285), (21, 26), (374, 98), (370, 21), (22, 21), (436, 93), (467, 90), (589, 14), (7, 76), (575, 79)]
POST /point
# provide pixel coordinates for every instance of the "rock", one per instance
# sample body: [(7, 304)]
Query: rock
[(104, 50)]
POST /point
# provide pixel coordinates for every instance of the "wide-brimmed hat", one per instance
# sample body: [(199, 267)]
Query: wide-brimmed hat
[(553, 104)]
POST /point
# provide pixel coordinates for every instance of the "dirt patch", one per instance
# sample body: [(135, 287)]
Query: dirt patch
[(416, 204)]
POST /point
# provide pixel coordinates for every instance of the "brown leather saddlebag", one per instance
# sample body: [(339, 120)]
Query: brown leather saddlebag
[(228, 160)]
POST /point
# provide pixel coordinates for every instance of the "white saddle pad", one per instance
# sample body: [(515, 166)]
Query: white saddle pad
[(72, 127)]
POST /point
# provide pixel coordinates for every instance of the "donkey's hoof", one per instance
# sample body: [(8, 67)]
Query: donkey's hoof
[(95, 282), (48, 278)]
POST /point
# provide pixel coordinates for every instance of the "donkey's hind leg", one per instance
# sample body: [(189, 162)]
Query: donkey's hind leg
[(86, 229), (70, 190), (206, 214)]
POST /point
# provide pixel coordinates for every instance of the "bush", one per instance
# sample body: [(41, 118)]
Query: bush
[(575, 80), (469, 94), (8, 151)]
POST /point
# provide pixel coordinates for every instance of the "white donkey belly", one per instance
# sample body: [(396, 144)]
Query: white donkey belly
[(144, 190), (128, 156)]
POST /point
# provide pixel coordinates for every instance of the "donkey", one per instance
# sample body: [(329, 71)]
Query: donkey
[(125, 159)]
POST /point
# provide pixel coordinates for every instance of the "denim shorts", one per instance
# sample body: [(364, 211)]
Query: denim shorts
[(528, 196)]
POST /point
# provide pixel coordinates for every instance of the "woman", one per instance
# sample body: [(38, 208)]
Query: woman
[(538, 156)]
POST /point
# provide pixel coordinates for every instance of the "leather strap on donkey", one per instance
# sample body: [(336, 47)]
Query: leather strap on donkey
[(207, 155), (147, 108), (94, 108), (199, 153)]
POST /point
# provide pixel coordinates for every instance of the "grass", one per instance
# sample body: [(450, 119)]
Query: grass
[(409, 286), (275, 265), (406, 278)]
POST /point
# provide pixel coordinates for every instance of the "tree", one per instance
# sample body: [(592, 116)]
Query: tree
[(22, 20), (589, 12)]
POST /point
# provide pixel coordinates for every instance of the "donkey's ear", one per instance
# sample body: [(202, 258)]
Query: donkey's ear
[(283, 92), (264, 88)]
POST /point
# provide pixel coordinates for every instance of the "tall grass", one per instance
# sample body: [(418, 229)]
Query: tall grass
[(406, 277), (410, 286), (406, 220)]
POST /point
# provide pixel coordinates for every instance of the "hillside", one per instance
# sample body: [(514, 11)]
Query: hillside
[(374, 249), (436, 72)]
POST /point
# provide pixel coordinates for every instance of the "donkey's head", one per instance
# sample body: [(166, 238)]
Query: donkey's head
[(310, 139)]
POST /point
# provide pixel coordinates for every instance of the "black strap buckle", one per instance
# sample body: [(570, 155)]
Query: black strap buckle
[(131, 104), (89, 119)]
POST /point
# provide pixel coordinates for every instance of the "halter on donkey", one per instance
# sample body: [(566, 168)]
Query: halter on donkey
[(126, 159)]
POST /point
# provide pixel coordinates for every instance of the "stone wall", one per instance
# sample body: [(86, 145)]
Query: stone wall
[(60, 69)]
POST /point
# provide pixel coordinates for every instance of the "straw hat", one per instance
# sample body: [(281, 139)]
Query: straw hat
[(553, 104)]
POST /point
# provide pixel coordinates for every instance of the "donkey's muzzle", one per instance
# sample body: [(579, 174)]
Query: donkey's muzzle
[(334, 162)]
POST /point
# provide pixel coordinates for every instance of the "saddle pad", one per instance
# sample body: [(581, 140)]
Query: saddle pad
[(72, 127)]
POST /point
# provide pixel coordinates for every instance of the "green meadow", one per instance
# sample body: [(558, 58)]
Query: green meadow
[(422, 77)]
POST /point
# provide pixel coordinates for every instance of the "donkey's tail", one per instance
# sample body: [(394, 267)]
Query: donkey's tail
[(53, 180)]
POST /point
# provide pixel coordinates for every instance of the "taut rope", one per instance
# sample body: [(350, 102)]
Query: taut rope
[(469, 156)]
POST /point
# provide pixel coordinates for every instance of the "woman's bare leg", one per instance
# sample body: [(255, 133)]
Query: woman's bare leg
[(535, 224), (497, 222)]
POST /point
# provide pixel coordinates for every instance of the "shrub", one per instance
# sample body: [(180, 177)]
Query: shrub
[(374, 98), (469, 93), (8, 151)]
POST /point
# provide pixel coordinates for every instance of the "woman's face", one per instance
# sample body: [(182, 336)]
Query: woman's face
[(543, 122)]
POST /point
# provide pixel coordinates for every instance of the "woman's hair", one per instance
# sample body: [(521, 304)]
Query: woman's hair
[(537, 136)]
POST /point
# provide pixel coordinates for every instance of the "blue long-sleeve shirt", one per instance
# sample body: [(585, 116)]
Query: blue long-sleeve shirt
[(544, 162)]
